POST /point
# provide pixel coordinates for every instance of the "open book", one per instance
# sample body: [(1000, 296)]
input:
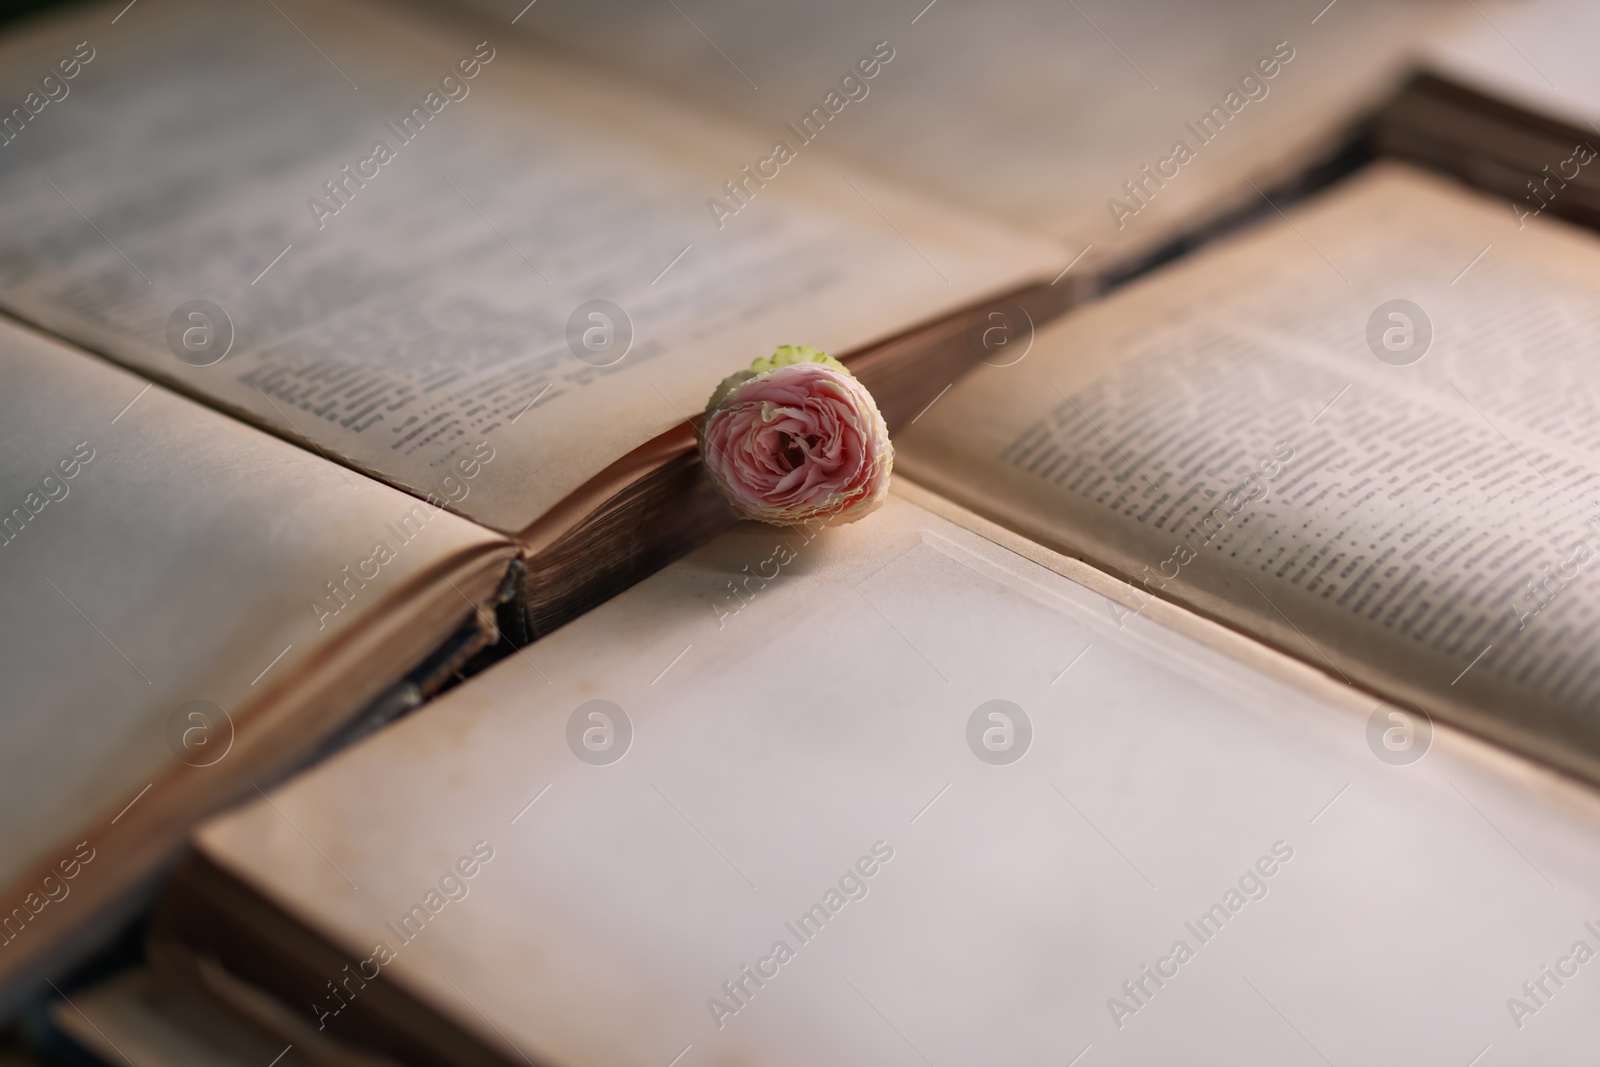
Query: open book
[(163, 651), (412, 364), (930, 796), (370, 338), (929, 788), (1305, 434), (484, 243), (1364, 436)]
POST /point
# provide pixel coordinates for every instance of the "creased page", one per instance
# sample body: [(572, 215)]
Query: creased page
[(162, 567), (1368, 434), (394, 234), (894, 795)]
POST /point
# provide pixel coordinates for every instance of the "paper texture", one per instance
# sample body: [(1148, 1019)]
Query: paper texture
[(826, 725), (1225, 434), (155, 554), (431, 291)]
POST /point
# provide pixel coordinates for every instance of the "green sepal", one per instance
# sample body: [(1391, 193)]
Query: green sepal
[(782, 356)]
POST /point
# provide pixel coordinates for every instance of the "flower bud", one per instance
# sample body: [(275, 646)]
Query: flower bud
[(795, 438)]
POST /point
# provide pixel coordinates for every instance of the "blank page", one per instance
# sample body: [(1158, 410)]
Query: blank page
[(821, 772)]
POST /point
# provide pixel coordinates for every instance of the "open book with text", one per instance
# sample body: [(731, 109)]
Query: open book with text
[(379, 358), (1203, 585), (319, 396), (1182, 632)]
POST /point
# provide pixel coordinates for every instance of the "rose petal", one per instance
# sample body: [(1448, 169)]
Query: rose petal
[(797, 442)]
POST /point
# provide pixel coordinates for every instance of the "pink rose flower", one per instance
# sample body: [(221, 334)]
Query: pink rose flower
[(796, 437)]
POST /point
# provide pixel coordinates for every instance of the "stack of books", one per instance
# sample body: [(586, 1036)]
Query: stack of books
[(1218, 678)]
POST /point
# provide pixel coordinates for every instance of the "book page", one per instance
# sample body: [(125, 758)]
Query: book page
[(1366, 434), (1535, 55), (603, 870), (1039, 113), (164, 572), (400, 234)]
